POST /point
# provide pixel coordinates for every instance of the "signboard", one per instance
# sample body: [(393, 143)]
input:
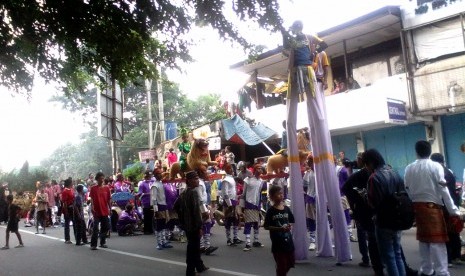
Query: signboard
[(110, 111), (207, 131), (397, 113), (146, 154), (214, 143)]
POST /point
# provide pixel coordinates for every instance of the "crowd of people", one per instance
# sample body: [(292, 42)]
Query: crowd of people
[(187, 211)]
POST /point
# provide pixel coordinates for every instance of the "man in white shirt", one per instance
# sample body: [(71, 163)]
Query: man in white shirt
[(425, 183)]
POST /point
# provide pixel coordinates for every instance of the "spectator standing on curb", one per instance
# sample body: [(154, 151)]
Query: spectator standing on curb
[(382, 183), (100, 202), (51, 201), (454, 245), (355, 188), (12, 225), (80, 227), (42, 204), (425, 183), (67, 200), (57, 195), (172, 157)]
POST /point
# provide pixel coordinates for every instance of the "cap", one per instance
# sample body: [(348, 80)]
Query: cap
[(191, 175), (148, 173), (297, 25)]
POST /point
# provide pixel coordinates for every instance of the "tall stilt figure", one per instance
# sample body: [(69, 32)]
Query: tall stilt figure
[(302, 81)]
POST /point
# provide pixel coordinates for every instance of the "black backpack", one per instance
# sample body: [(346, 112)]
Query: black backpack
[(396, 212)]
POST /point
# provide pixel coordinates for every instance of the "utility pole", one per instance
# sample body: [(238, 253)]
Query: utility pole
[(114, 157), (161, 112), (148, 88)]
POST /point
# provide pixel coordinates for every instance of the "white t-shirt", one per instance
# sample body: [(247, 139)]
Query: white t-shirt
[(309, 178), (202, 191), (424, 180)]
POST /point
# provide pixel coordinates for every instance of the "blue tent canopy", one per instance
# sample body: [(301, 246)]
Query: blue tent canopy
[(240, 131)]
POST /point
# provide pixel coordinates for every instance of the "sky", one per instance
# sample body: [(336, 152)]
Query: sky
[(32, 129)]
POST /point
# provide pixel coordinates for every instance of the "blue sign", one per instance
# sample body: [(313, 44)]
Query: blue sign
[(397, 113)]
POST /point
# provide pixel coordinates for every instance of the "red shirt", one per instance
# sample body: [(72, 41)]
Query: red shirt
[(67, 196), (100, 196)]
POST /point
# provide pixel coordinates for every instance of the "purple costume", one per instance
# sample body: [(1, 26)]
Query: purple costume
[(125, 222)]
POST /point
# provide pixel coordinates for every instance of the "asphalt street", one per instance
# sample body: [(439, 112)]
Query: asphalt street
[(137, 255)]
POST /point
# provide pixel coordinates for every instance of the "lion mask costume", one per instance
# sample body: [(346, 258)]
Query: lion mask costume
[(197, 159)]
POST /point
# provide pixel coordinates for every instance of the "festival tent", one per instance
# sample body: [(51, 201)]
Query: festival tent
[(241, 131)]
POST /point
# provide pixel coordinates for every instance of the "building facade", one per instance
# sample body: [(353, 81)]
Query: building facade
[(405, 94)]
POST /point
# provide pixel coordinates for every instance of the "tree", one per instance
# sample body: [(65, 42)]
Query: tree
[(75, 42), (177, 108), (25, 179), (90, 156)]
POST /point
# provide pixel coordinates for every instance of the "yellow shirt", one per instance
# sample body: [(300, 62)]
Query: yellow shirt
[(319, 62)]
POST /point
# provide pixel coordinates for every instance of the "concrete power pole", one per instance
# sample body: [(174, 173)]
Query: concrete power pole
[(148, 88), (161, 112)]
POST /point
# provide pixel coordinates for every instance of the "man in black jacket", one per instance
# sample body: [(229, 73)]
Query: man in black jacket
[(188, 208), (355, 190)]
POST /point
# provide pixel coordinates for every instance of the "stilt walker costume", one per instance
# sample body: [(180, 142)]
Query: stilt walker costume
[(302, 80)]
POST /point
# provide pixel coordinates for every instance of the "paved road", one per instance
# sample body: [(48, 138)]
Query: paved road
[(48, 255)]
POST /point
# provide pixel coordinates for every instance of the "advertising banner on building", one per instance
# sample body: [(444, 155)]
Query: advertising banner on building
[(397, 113)]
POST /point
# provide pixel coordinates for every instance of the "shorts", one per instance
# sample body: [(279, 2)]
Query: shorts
[(12, 225), (41, 215), (284, 262)]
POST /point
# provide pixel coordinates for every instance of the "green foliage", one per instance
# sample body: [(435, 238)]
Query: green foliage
[(135, 172), (90, 156), (255, 52), (25, 179), (203, 110), (75, 42)]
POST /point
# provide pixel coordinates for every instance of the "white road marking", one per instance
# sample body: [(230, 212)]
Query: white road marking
[(160, 260)]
